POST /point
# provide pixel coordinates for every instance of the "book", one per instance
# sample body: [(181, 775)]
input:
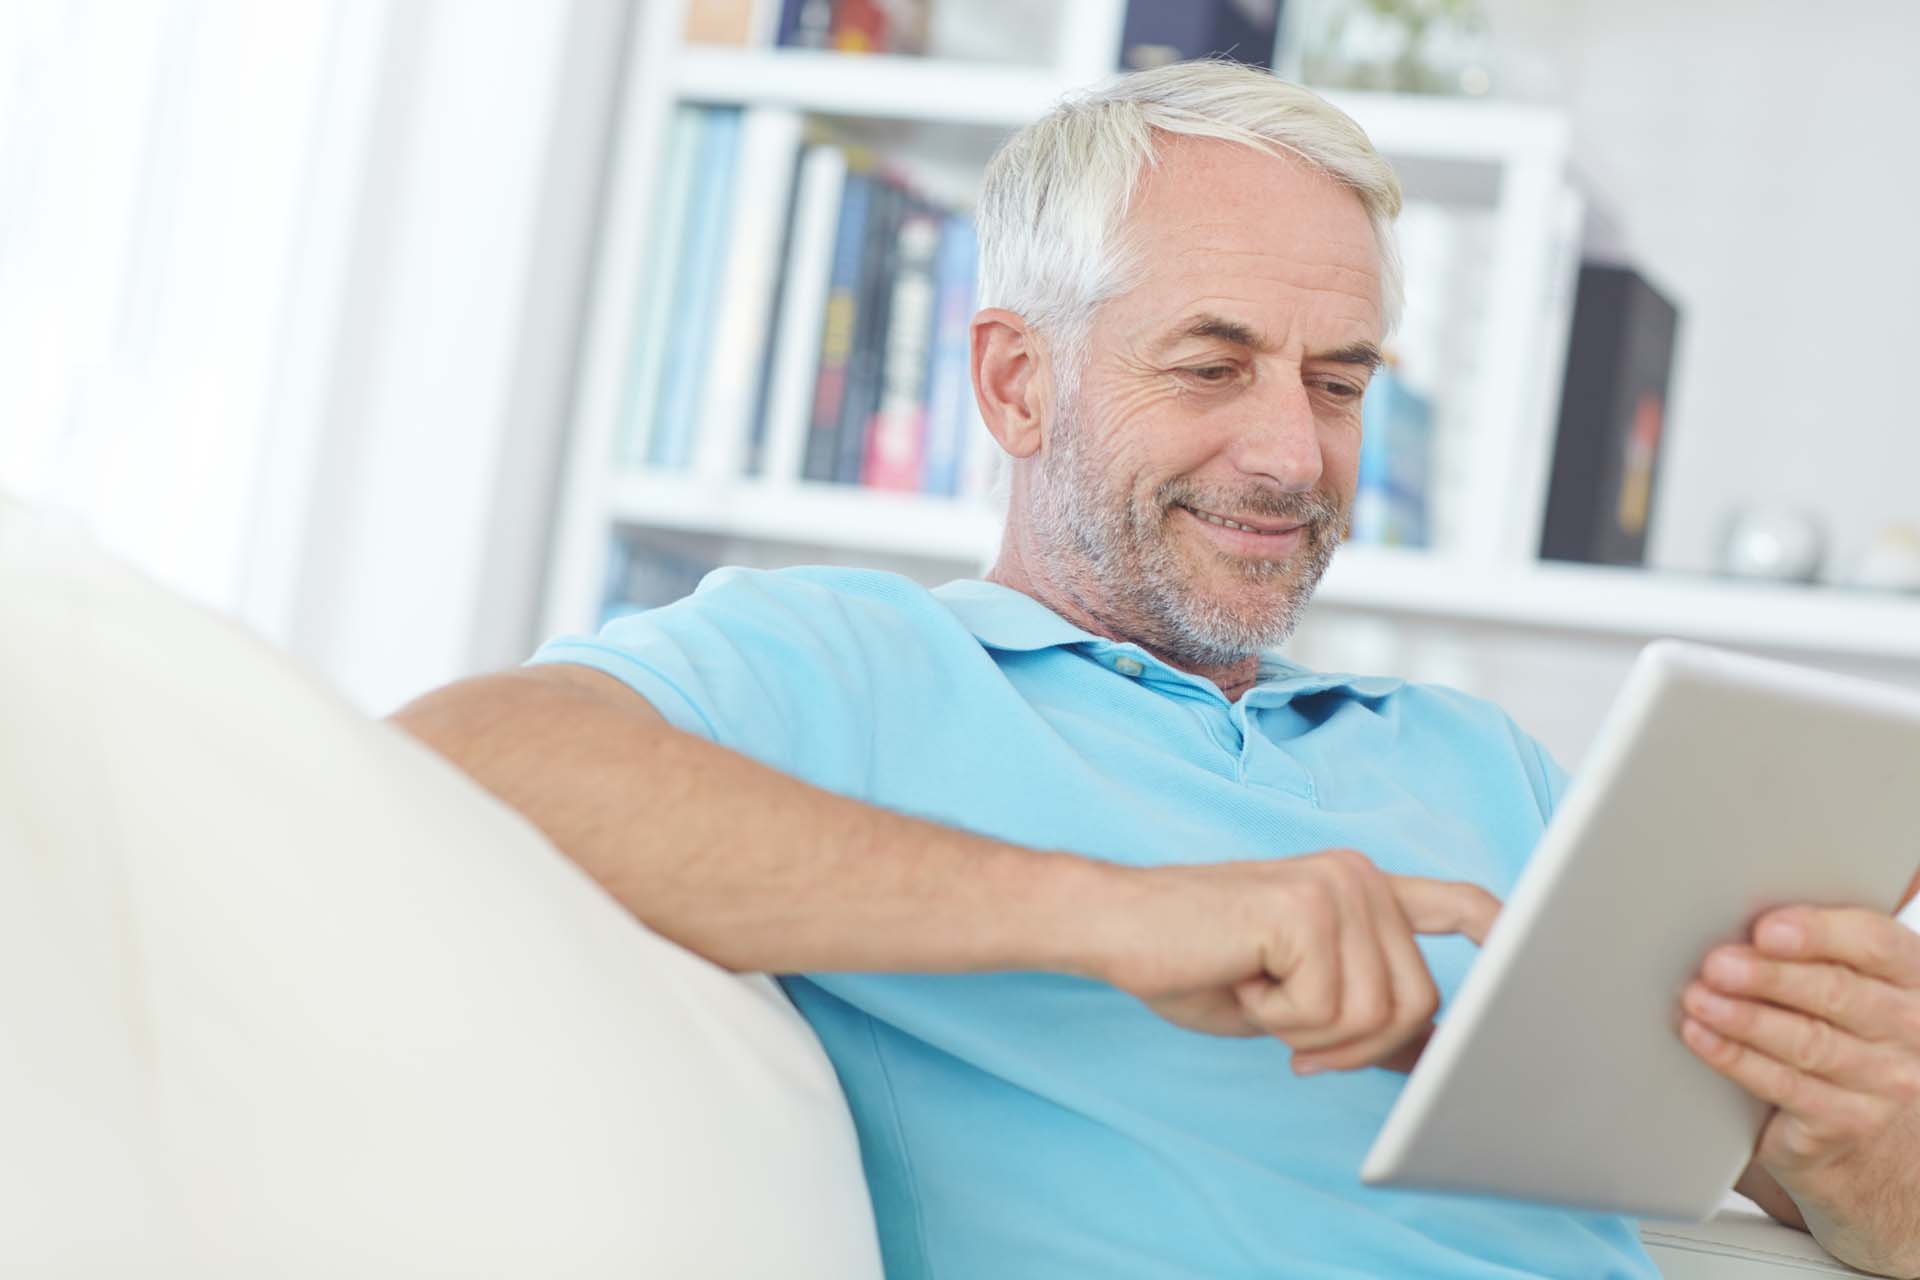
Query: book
[(897, 436), (654, 307), (805, 24), (1606, 451), (950, 402), (862, 399), (747, 23), (1157, 32), (769, 145), (696, 291), (1396, 447), (859, 26), (801, 311), (879, 26), (837, 327)]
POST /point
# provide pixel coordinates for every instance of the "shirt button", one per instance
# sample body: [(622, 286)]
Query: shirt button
[(1127, 666)]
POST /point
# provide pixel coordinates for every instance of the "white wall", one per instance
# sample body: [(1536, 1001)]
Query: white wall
[(1759, 157), (1758, 160), (441, 410)]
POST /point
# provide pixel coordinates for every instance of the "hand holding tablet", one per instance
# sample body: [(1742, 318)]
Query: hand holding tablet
[(1721, 788)]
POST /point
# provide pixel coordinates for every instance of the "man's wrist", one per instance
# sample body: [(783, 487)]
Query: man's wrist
[(1077, 917)]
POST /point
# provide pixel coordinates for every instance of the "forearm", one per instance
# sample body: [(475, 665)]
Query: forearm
[(750, 868)]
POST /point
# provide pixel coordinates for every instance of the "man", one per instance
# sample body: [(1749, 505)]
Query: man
[(1106, 918)]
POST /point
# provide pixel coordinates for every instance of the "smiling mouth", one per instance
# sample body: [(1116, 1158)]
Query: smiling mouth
[(1268, 530)]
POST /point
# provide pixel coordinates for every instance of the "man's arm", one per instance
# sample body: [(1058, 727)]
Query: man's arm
[(739, 863), (758, 871)]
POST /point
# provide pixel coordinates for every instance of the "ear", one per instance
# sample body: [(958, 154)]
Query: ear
[(1009, 380)]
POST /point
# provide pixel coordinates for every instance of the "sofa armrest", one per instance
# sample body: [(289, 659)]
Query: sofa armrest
[(1739, 1243)]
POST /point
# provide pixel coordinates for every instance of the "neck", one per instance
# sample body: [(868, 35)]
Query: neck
[(1071, 596)]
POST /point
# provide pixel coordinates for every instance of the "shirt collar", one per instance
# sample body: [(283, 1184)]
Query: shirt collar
[(1002, 618)]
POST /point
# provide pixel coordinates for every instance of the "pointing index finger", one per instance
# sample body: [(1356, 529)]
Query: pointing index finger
[(1446, 906)]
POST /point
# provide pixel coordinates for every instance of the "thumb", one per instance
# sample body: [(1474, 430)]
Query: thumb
[(1446, 906)]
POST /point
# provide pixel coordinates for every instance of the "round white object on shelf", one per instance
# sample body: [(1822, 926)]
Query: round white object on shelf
[(1773, 543)]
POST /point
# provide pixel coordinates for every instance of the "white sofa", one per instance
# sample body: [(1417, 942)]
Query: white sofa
[(285, 994)]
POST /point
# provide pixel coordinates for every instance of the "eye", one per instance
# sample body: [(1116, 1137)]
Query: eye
[(1340, 390), (1212, 374)]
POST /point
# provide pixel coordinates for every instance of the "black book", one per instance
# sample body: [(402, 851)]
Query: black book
[(1157, 32), (1613, 410)]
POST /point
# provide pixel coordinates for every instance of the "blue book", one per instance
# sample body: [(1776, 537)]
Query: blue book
[(805, 24), (950, 383), (1396, 445), (697, 290), (837, 330), (653, 326)]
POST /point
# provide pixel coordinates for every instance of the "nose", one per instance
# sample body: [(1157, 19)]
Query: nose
[(1278, 438)]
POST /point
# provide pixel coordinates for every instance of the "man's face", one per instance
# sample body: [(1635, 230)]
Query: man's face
[(1225, 387)]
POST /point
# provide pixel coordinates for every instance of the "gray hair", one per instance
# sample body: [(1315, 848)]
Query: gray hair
[(1057, 192)]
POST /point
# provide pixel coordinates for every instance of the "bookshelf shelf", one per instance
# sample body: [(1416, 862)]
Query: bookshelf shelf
[(881, 86), (816, 515), (1628, 603), (869, 86), (1566, 598)]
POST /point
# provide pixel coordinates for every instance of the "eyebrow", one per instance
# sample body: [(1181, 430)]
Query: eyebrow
[(1365, 354)]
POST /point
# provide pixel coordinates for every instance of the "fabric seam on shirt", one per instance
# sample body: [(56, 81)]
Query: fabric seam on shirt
[(906, 1155), (591, 646), (1548, 806)]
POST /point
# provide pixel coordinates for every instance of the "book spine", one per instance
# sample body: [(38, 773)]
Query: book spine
[(718, 22), (870, 330), (672, 436), (660, 286), (802, 311), (769, 145), (896, 442), (837, 328), (950, 381), (859, 26), (805, 24)]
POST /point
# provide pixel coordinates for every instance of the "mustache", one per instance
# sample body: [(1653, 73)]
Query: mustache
[(1314, 508)]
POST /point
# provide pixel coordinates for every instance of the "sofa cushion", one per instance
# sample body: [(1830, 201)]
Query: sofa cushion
[(286, 994)]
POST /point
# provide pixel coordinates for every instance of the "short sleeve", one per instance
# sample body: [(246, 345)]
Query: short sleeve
[(1548, 780), (774, 665)]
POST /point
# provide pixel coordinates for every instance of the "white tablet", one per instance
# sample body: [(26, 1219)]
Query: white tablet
[(1720, 786)]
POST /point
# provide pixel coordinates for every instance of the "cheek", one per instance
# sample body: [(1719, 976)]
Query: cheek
[(1150, 433), (1340, 455)]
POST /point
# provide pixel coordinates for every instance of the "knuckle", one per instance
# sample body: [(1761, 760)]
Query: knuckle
[(1368, 1012), (1819, 1049), (1318, 1006), (1835, 991), (1904, 1081), (1874, 946), (1351, 859), (1907, 1020), (1314, 901)]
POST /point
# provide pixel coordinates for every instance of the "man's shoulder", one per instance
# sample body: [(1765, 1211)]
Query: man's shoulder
[(813, 598), (1467, 727)]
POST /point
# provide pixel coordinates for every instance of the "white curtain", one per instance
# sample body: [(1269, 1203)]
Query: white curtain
[(163, 166)]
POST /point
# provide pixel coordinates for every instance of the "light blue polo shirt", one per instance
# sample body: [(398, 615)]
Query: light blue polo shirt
[(1035, 1125)]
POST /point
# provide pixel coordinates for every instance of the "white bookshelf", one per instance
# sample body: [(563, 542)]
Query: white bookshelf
[(1512, 160), (883, 87), (1541, 596)]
